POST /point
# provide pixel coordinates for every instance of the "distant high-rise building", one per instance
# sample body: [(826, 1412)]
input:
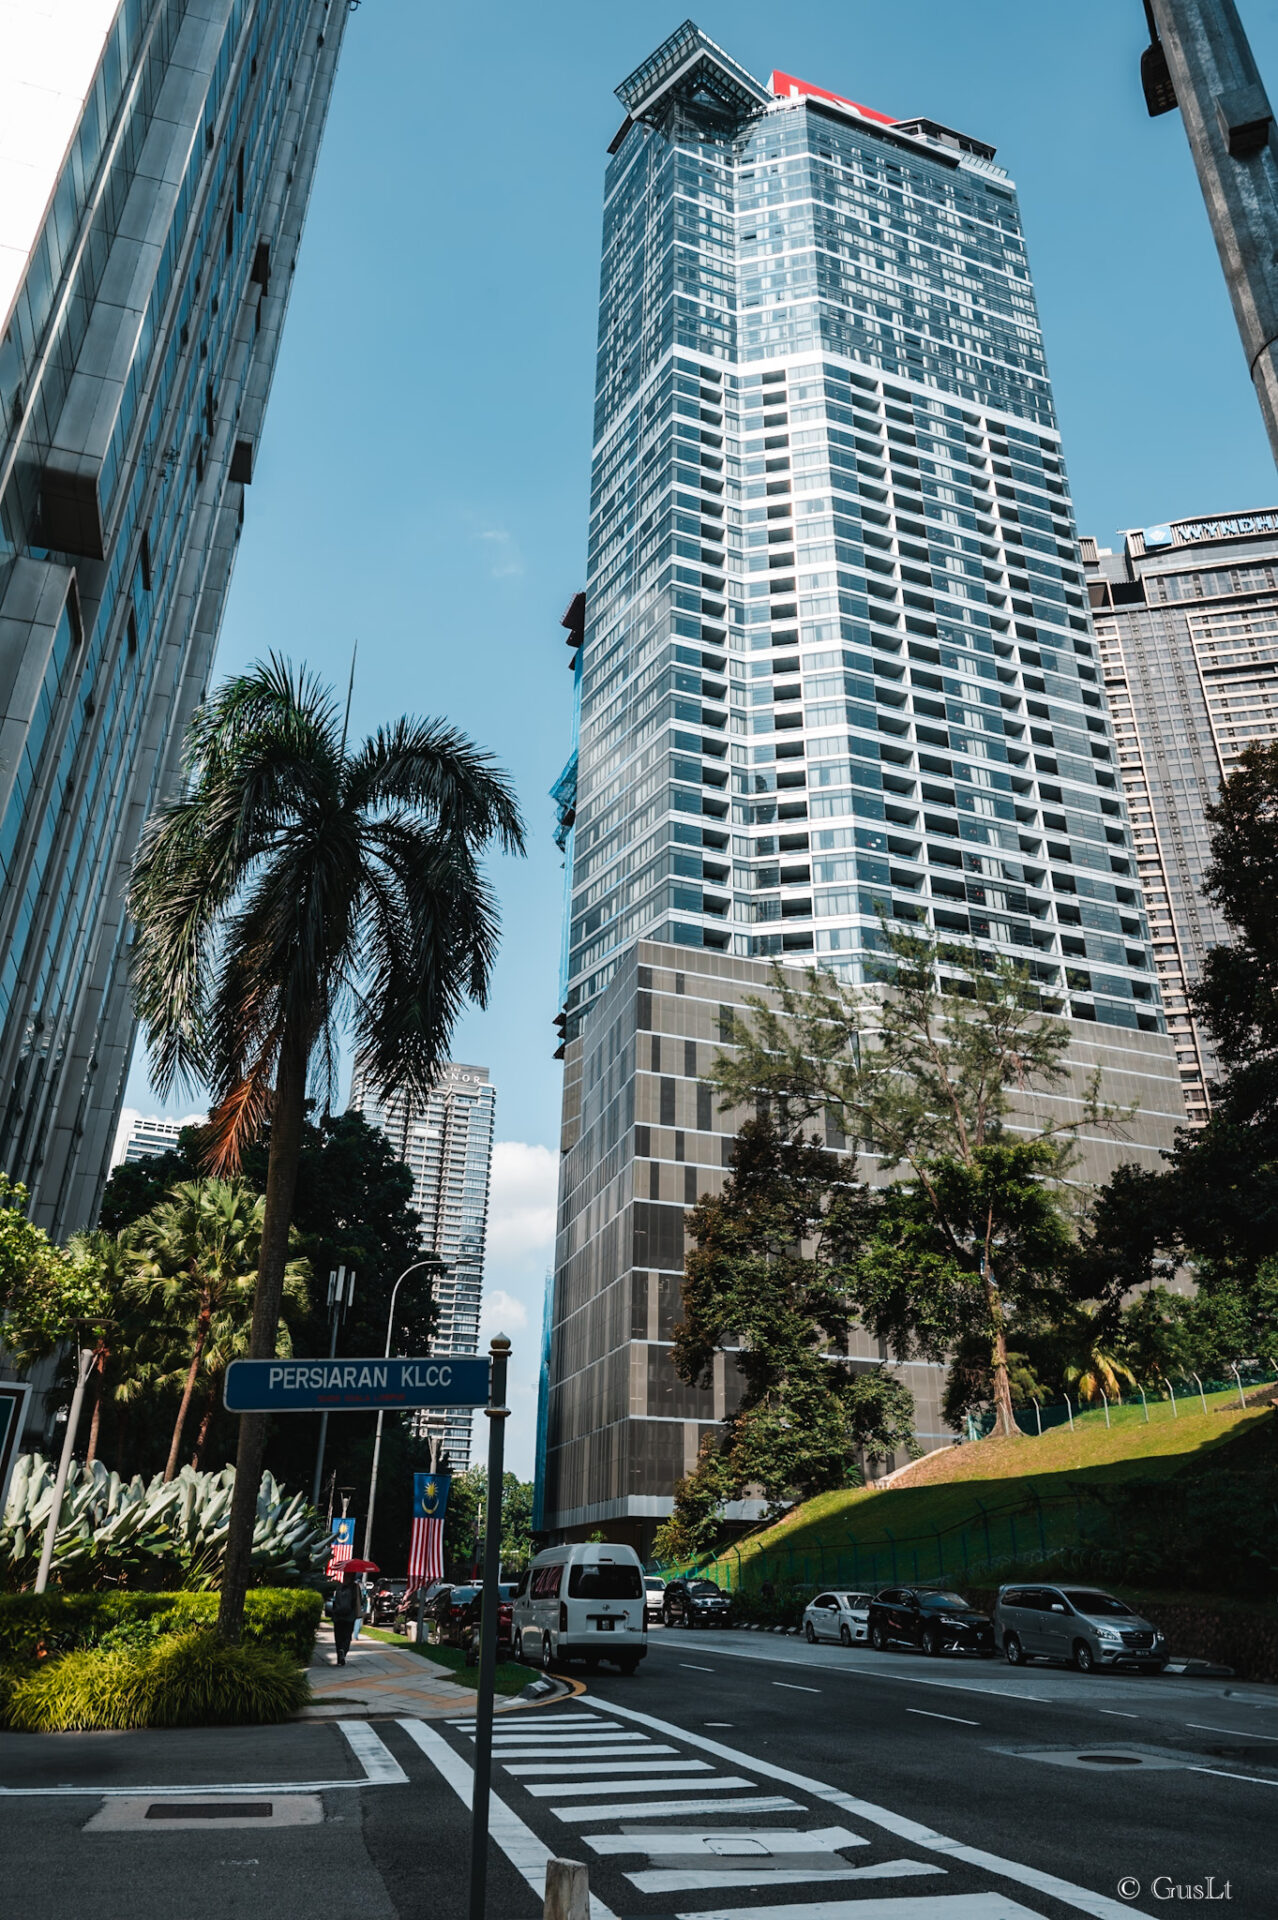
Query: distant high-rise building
[(147, 1136), (1186, 618), (155, 169), (448, 1145), (835, 662)]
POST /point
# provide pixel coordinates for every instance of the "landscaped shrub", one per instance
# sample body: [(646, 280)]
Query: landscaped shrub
[(277, 1618), (184, 1680)]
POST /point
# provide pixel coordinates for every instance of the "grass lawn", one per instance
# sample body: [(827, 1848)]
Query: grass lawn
[(987, 1502), (511, 1677)]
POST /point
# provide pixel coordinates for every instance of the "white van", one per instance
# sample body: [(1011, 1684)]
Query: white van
[(582, 1602)]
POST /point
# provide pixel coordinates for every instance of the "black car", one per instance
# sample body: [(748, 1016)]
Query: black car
[(930, 1618), (387, 1599), (695, 1603)]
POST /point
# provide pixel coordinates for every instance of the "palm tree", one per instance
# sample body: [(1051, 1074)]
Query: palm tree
[(290, 885), (196, 1255), (1096, 1369)]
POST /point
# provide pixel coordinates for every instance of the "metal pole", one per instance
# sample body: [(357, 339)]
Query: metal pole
[(1201, 1395), (497, 1412), (1105, 1397), (1038, 1415), (1242, 1398), (1230, 127), (341, 1292), (1070, 1412), (381, 1411), (1144, 1403), (64, 1468)]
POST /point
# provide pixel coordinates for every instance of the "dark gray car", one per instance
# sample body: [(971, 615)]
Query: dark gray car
[(1083, 1626)]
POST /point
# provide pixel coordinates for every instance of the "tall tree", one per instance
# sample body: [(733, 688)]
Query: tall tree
[(926, 1071), (766, 1281), (293, 885)]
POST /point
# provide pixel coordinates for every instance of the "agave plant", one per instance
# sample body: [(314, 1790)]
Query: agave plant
[(109, 1527)]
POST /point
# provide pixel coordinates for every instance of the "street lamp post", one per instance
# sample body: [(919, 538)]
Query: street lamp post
[(1200, 60), (83, 1364), (436, 1266)]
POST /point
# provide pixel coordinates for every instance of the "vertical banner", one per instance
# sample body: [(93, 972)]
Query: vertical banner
[(341, 1547), (426, 1546)]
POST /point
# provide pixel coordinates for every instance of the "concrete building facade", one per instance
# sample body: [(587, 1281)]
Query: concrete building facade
[(834, 663), (1186, 618), (154, 176), (447, 1143)]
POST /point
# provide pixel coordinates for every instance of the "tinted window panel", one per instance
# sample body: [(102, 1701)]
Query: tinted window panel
[(604, 1581)]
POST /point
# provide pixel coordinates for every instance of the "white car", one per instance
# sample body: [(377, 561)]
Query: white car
[(844, 1617), (582, 1602), (654, 1591)]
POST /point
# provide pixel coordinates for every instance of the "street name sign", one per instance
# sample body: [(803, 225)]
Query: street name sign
[(355, 1386)]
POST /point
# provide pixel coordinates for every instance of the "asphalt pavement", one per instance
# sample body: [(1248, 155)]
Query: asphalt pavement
[(736, 1777)]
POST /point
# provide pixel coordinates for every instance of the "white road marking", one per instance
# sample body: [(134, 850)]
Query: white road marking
[(956, 1718), (631, 1751), (666, 1785), (720, 1723), (791, 1688), (376, 1758), (681, 1880), (573, 1771), (735, 1839), (122, 1815), (671, 1809), (935, 1906), (1239, 1733), (860, 1672), (690, 1667), (381, 1769), (1098, 1905), (526, 1853), (1256, 1779), (1116, 1713)]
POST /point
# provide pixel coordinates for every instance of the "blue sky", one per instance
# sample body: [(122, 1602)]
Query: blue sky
[(423, 477)]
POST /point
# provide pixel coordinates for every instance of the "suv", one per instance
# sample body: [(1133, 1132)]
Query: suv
[(695, 1603), (930, 1618), (1082, 1625)]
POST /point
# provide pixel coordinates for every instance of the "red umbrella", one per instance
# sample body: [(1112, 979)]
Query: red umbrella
[(360, 1566)]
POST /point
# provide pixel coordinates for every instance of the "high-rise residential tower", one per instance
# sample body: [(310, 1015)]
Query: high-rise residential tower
[(1186, 620), (448, 1145), (154, 174), (835, 661)]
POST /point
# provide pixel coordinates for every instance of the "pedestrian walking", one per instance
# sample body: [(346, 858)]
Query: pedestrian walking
[(347, 1612)]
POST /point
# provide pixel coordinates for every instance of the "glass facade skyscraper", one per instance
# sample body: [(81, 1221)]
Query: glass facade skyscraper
[(836, 661), (1187, 624), (447, 1143), (154, 176)]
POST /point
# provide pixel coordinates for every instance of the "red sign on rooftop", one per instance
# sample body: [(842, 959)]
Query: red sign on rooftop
[(786, 87)]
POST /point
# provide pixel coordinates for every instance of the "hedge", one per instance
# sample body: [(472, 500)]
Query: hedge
[(183, 1680), (278, 1619)]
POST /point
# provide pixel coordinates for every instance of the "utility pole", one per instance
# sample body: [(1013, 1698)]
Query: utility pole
[(341, 1293), (1199, 59)]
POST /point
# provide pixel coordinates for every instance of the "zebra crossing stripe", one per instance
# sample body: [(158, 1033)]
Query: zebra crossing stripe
[(677, 1809), (765, 1874), (1098, 1905), (550, 1788), (931, 1906)]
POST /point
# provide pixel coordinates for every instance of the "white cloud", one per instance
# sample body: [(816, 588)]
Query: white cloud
[(507, 561), (502, 1313)]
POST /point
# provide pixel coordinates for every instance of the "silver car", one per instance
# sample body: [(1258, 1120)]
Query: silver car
[(1082, 1626), (837, 1616)]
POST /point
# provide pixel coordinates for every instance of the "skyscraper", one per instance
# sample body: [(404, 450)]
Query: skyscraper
[(448, 1145), (835, 661), (154, 176), (1187, 624)]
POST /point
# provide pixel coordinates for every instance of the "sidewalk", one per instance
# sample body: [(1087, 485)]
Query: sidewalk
[(380, 1679)]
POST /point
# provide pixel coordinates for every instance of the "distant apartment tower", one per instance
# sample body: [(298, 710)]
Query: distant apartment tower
[(1186, 618), (448, 1145), (147, 1137), (155, 170), (835, 662)]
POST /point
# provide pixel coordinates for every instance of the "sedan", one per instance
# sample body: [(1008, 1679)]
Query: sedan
[(844, 1617), (930, 1618), (695, 1603)]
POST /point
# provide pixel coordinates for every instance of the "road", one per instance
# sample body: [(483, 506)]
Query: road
[(738, 1776)]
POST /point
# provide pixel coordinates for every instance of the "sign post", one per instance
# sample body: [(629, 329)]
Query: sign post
[(497, 1412)]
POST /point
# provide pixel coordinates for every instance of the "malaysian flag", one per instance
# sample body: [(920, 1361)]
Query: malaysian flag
[(341, 1547), (426, 1545)]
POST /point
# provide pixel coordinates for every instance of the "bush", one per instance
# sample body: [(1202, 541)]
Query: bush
[(184, 1680), (276, 1618)]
